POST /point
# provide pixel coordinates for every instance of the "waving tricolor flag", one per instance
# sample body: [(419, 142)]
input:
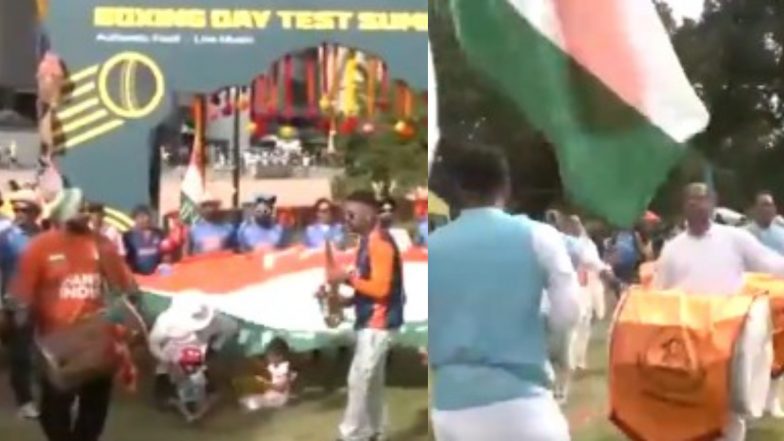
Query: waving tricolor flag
[(432, 110), (600, 79), (193, 183)]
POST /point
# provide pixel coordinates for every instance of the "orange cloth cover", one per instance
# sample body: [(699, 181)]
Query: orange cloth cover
[(670, 361), (773, 287)]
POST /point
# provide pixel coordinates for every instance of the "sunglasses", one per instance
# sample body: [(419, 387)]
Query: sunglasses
[(24, 210)]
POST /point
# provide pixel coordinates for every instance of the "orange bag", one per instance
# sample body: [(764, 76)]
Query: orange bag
[(670, 360), (773, 287)]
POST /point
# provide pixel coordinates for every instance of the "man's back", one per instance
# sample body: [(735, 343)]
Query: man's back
[(485, 277)]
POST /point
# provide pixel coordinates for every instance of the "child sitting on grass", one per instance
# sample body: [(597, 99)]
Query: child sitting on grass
[(271, 381)]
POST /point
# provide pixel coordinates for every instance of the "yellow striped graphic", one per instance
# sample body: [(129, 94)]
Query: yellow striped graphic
[(93, 133), (89, 110), (89, 119), (77, 108), (117, 219), (82, 90), (84, 74)]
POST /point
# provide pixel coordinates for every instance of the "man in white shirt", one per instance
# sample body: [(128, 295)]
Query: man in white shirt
[(771, 234), (487, 341), (709, 258)]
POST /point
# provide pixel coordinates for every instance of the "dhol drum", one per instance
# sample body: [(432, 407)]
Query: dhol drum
[(680, 363), (89, 349), (772, 287)]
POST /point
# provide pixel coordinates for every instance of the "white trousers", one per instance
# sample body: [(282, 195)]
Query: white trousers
[(736, 429), (773, 405), (364, 416), (524, 419)]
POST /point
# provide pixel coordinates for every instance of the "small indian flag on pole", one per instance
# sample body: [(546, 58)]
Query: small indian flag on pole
[(433, 133), (192, 189), (600, 78)]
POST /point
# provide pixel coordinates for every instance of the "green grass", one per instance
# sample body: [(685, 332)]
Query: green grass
[(314, 416), (587, 408)]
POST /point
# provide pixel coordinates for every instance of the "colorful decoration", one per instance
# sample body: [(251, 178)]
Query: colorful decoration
[(405, 130), (348, 125), (310, 80), (288, 87), (287, 132), (368, 128), (350, 101)]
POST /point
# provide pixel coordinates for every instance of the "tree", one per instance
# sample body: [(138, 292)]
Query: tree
[(470, 109), (734, 57), (394, 161)]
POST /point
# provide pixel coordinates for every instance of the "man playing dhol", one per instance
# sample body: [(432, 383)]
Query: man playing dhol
[(378, 301), (487, 337), (60, 281), (770, 234), (712, 258)]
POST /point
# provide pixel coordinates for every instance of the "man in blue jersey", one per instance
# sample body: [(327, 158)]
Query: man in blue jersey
[(771, 234), (260, 231), (13, 241), (488, 341), (211, 232), (324, 228), (143, 243)]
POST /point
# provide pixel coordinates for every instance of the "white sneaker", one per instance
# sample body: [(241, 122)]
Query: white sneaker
[(775, 411), (28, 411)]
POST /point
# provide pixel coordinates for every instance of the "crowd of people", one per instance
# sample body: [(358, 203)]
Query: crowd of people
[(526, 292), (57, 259)]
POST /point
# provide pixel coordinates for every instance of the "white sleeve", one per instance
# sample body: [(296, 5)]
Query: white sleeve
[(757, 257), (589, 257), (562, 289), (663, 277)]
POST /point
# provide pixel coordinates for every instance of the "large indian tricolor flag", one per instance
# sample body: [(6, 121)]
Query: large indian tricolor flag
[(600, 79), (273, 294)]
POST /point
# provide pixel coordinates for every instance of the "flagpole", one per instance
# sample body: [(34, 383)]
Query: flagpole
[(200, 134), (237, 171)]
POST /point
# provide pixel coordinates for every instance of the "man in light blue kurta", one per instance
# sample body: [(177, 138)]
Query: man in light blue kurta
[(487, 337), (771, 234)]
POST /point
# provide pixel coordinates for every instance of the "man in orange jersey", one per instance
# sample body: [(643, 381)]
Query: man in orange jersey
[(60, 282), (378, 301)]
